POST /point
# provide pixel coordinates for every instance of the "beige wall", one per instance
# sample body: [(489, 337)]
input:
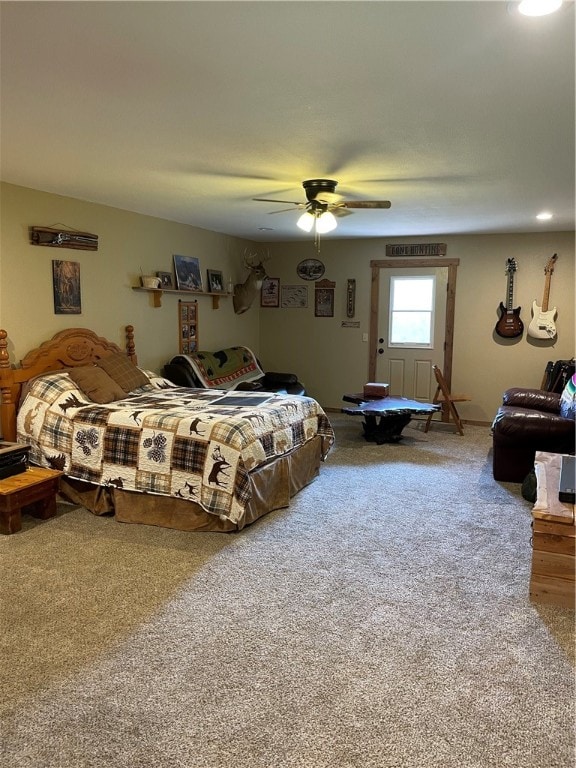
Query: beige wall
[(128, 242), (330, 359)]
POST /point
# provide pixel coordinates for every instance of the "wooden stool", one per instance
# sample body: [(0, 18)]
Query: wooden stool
[(33, 491)]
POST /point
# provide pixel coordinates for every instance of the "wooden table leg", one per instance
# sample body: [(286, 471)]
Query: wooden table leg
[(385, 429), (10, 519)]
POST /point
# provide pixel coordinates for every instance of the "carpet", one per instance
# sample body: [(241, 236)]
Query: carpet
[(382, 621)]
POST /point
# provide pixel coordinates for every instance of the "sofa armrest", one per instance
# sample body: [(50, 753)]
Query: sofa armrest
[(271, 377), (537, 399)]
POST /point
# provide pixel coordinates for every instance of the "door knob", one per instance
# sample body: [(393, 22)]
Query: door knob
[(380, 351)]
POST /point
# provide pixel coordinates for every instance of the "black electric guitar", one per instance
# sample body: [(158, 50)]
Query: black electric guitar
[(509, 326)]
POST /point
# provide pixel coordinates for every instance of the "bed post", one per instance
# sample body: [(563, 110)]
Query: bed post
[(130, 345), (7, 404)]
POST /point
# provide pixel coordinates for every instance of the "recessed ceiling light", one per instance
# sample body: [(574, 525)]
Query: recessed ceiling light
[(266, 229), (544, 216), (538, 7)]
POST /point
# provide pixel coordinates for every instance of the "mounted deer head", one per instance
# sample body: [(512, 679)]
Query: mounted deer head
[(245, 292)]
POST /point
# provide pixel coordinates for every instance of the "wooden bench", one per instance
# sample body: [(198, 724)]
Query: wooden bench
[(33, 491)]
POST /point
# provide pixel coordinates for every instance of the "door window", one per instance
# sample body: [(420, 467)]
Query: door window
[(411, 311)]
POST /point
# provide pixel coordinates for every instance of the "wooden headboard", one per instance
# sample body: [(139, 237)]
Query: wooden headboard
[(66, 349)]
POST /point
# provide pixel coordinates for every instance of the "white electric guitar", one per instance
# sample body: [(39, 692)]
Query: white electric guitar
[(542, 323)]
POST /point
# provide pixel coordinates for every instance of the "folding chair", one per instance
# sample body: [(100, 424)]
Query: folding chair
[(447, 400)]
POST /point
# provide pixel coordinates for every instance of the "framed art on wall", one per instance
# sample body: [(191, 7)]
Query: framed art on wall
[(215, 281), (165, 280), (324, 298), (310, 269), (188, 276), (270, 293), (187, 326), (66, 287), (294, 296)]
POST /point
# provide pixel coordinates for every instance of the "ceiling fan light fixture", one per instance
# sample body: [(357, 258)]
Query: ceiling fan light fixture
[(306, 222), (326, 222)]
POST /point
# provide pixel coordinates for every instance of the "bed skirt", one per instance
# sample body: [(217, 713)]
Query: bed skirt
[(272, 484)]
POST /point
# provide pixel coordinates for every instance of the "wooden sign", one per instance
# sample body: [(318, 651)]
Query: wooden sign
[(61, 238), (324, 298), (417, 249)]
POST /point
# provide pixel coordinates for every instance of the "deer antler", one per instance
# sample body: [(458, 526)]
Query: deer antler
[(252, 259)]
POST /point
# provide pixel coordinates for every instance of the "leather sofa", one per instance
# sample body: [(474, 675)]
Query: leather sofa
[(528, 420)]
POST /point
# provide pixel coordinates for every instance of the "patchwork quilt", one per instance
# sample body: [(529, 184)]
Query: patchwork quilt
[(193, 444)]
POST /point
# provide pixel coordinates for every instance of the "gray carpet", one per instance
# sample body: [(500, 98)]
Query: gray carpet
[(382, 621)]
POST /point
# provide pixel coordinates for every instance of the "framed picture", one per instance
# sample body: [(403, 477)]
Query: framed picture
[(165, 280), (294, 296), (66, 286), (324, 298), (310, 269), (188, 276), (270, 293), (215, 281)]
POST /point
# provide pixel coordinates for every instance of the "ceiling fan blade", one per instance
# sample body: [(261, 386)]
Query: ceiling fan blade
[(328, 197), (365, 203), (268, 200), (339, 212), (286, 210)]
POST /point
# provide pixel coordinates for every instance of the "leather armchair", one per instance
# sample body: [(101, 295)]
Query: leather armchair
[(528, 420)]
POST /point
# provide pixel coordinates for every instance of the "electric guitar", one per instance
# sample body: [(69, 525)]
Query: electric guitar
[(542, 323), (509, 326)]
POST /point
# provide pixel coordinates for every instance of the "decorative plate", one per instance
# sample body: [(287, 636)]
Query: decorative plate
[(310, 269)]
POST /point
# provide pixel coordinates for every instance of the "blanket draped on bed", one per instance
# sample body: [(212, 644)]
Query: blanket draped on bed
[(193, 444)]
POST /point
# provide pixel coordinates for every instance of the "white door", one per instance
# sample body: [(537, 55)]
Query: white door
[(402, 363)]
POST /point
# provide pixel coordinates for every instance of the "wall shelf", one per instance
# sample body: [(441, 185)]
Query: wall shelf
[(157, 294)]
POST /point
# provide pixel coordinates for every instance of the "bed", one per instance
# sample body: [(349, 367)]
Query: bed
[(132, 443)]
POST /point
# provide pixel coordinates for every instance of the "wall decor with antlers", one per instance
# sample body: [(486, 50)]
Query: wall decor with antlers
[(244, 293)]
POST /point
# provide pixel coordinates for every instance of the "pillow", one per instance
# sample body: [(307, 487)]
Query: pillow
[(120, 368), (568, 399), (96, 384)]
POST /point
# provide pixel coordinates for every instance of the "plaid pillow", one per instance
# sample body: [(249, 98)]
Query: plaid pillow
[(123, 371), (96, 384)]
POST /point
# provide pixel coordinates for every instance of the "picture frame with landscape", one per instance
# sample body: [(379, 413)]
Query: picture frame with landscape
[(188, 275)]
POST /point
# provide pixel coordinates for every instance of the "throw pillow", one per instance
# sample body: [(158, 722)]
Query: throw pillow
[(120, 368), (568, 399), (96, 384)]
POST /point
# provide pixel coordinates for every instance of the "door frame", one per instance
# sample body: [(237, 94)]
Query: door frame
[(379, 264)]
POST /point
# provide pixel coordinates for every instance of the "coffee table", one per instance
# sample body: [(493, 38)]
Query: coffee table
[(385, 417)]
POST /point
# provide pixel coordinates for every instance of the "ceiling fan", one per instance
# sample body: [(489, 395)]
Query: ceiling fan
[(323, 205)]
